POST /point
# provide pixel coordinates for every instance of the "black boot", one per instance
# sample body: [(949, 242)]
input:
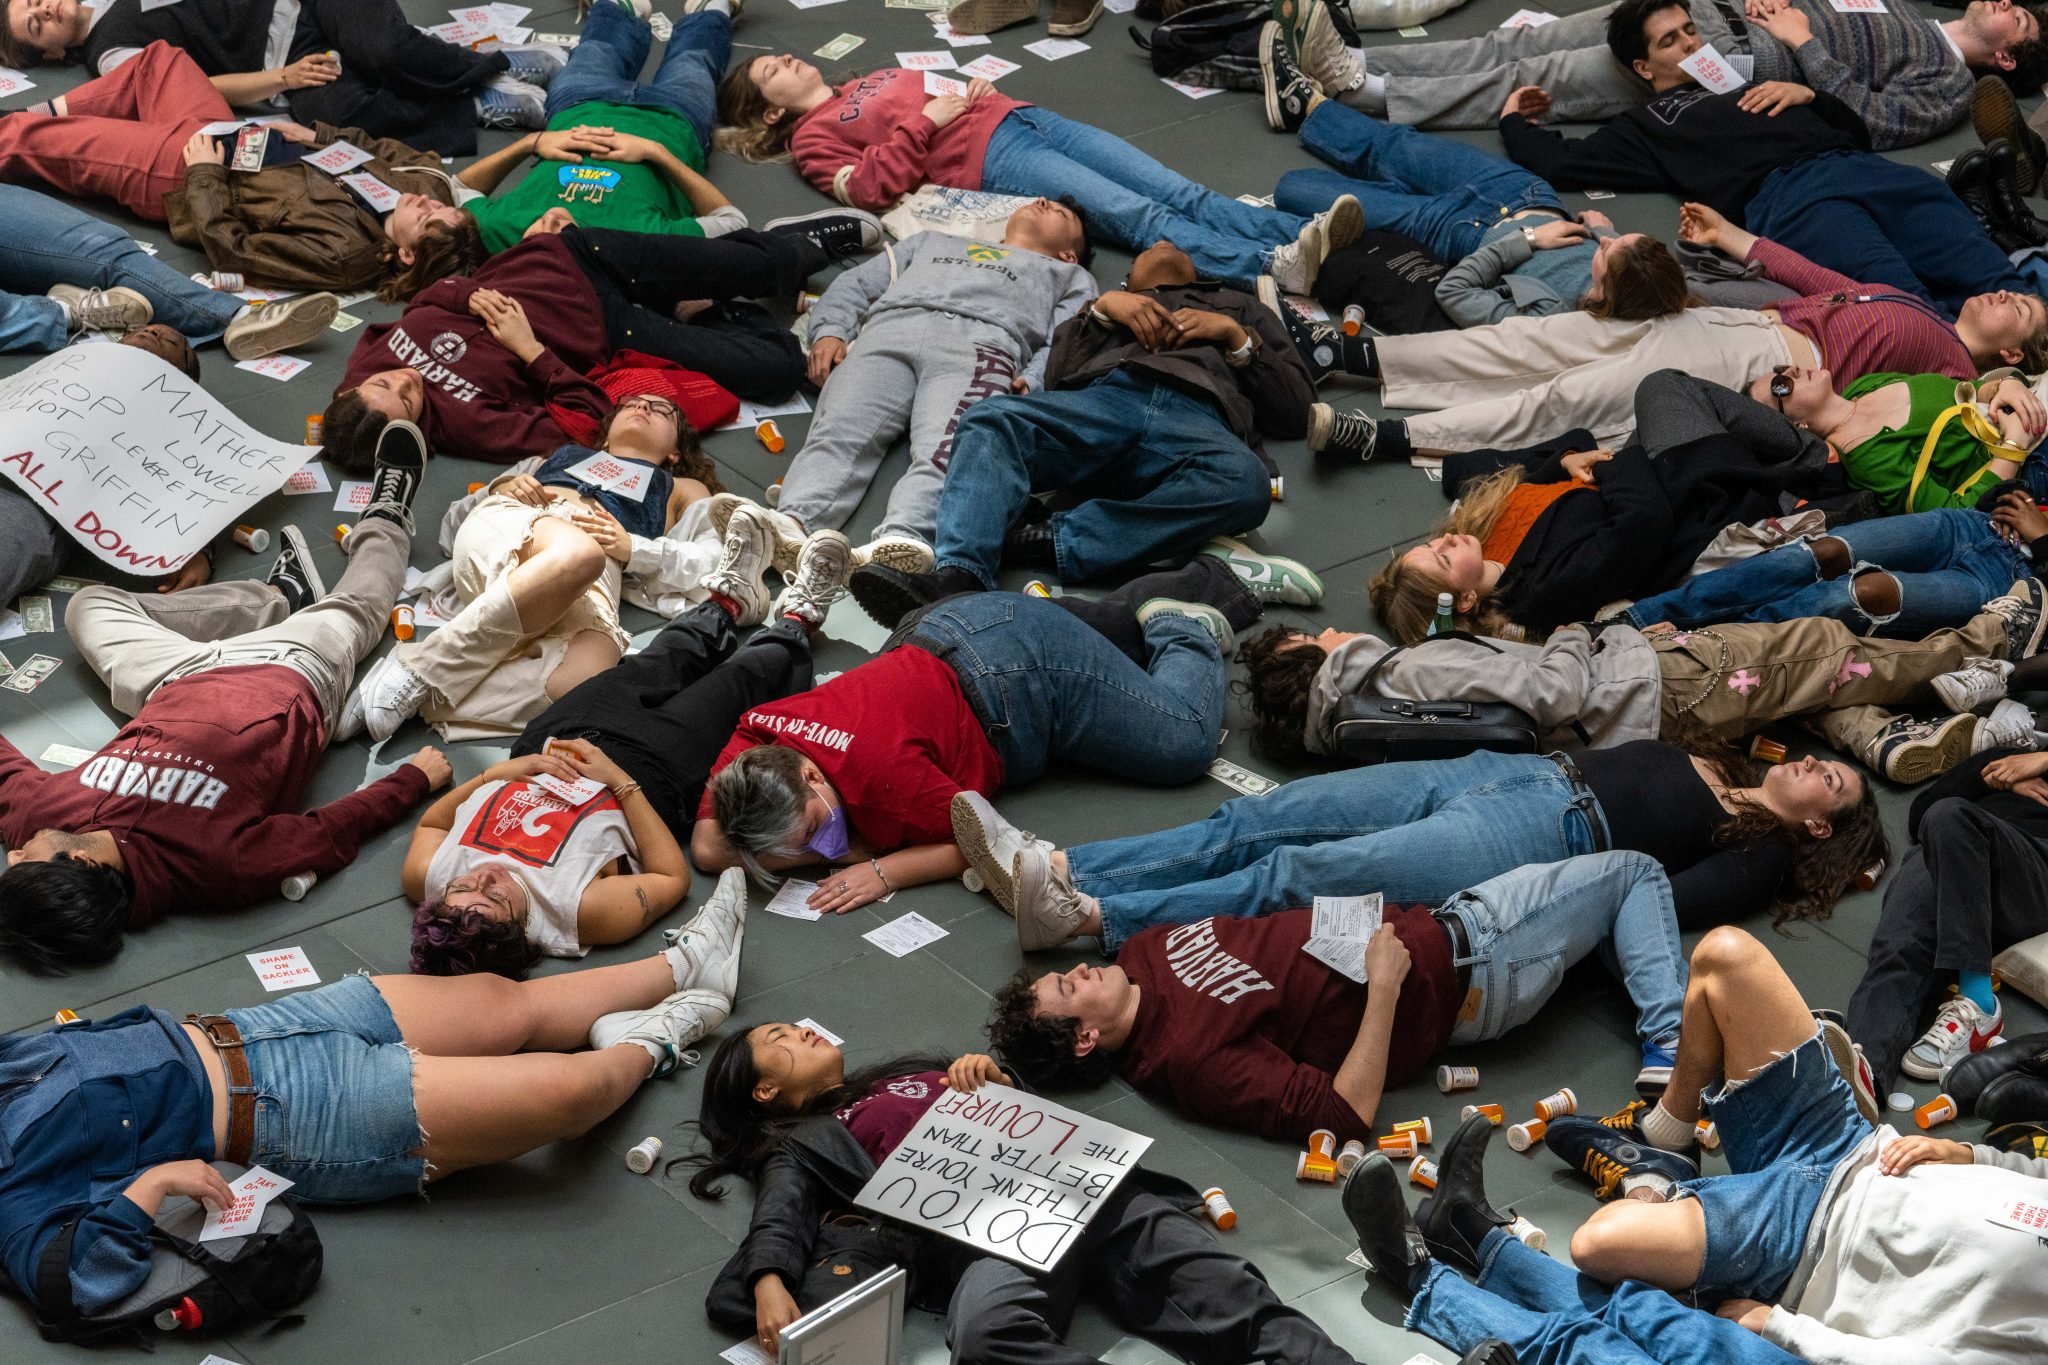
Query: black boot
[(2006, 197), (1970, 178), (1379, 1215), (889, 595), (1995, 114), (2003, 1084), (1456, 1218), (1029, 545)]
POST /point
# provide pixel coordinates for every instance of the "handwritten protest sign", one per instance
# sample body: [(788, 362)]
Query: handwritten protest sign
[(138, 463), (1005, 1172)]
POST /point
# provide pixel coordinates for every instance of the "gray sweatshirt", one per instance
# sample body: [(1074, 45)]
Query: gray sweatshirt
[(1025, 294)]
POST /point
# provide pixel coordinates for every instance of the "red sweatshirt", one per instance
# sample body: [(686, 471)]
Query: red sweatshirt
[(895, 737), (192, 789), (1237, 1025), (481, 402), (874, 129)]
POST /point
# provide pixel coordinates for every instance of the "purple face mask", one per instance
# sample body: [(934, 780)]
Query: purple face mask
[(830, 841)]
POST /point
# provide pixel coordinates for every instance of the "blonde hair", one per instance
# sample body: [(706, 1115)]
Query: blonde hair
[(1404, 597), (745, 130)]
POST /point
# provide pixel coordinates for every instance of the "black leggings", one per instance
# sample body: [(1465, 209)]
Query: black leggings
[(666, 713), (395, 80)]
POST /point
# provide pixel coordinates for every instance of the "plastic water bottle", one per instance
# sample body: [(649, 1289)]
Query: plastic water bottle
[(1443, 624)]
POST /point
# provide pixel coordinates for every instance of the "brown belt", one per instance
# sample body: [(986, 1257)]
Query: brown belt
[(234, 1063)]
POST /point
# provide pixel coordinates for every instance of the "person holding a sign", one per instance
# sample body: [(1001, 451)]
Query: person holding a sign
[(234, 689), (782, 1111)]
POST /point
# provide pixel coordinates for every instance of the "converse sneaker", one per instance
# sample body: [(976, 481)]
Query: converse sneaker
[(900, 553), (836, 232), (1049, 910), (1274, 578), (1341, 435), (2024, 620), (535, 63), (1204, 615), (1318, 48), (508, 102), (789, 533), (972, 18), (264, 329), (389, 695), (1655, 1077), (991, 845), (400, 464), (1341, 224), (705, 953), (888, 595), (293, 573), (820, 579), (1295, 265), (102, 310), (1290, 94), (1614, 1156), (1979, 682), (2009, 726), (1909, 750), (1072, 18), (1849, 1062), (664, 1029), (742, 572), (1960, 1028)]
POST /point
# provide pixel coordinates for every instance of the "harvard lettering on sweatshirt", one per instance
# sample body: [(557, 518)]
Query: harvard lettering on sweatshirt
[(1238, 1025), (480, 400), (197, 790), (870, 144)]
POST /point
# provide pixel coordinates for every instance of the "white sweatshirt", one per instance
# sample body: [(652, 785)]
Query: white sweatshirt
[(1910, 1270)]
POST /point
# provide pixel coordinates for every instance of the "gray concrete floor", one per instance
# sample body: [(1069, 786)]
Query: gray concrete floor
[(566, 1256)]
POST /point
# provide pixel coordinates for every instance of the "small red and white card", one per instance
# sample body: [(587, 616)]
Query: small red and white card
[(253, 1193), (614, 476), (283, 968), (1712, 70), (337, 157)]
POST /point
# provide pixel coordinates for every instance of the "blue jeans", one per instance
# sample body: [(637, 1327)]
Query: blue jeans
[(1438, 190), (1046, 685), (1128, 198), (1157, 471), (1413, 831), (1552, 1315), (1882, 222), (1526, 927), (614, 44), (1784, 1130), (1947, 563), (333, 1085), (45, 241)]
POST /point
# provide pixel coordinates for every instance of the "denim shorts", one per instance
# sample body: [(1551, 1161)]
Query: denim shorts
[(1783, 1131), (334, 1103)]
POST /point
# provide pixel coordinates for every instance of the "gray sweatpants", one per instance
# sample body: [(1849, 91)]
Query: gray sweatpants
[(136, 642), (1463, 82), (910, 369)]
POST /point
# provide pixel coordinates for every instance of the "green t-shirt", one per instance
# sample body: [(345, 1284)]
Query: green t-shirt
[(1884, 464), (629, 196)]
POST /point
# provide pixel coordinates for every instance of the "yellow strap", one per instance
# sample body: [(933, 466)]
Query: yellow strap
[(1973, 422)]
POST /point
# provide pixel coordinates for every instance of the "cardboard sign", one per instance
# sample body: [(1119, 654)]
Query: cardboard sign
[(1004, 1172), (253, 1193), (623, 477), (1712, 70), (135, 461), (379, 196), (283, 969)]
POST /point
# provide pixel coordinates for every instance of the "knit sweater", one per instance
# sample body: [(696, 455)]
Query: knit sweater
[(1895, 70)]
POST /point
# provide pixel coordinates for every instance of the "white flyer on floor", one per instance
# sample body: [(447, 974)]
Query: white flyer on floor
[(792, 900), (12, 82), (1052, 49), (1340, 927), (354, 495), (925, 61), (1193, 92), (945, 32), (309, 478), (903, 936), (753, 414), (1712, 70), (253, 1193), (283, 969), (990, 67), (1528, 18), (278, 367), (60, 757)]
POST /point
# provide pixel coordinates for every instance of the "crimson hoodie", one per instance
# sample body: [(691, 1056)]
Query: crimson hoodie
[(480, 401), (874, 134), (190, 787), (1237, 1025)]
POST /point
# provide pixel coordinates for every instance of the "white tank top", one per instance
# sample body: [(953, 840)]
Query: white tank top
[(555, 849)]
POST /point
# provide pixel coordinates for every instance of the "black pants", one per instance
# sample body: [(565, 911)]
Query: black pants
[(1974, 886), (641, 276), (395, 80), (1163, 1276), (1205, 578), (665, 713)]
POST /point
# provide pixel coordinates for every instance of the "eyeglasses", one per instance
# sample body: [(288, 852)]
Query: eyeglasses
[(660, 407), (1781, 386)]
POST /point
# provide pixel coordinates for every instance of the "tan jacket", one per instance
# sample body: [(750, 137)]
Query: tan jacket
[(294, 227)]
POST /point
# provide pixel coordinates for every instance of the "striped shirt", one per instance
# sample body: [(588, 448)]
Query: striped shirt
[(1895, 70), (1862, 329)]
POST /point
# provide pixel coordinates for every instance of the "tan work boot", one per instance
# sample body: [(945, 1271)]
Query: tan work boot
[(972, 17), (1072, 18)]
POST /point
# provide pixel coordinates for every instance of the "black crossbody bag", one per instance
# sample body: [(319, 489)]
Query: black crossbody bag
[(1376, 729)]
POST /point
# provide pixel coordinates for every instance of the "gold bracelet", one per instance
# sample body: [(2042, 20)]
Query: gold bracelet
[(876, 863), (621, 793)]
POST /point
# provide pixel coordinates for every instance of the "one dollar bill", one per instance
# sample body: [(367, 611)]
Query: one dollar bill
[(840, 46), (1241, 778), (36, 616), (30, 675)]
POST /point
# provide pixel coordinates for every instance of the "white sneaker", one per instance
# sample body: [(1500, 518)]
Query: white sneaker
[(821, 573), (1294, 266), (788, 531), (508, 102), (742, 572), (1979, 682), (1341, 224), (664, 1029), (900, 553), (103, 310), (991, 846), (1324, 57), (1960, 1028), (389, 695), (2009, 726), (1049, 910), (705, 953), (264, 329)]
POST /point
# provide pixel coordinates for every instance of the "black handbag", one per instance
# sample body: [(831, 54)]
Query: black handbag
[(1375, 729)]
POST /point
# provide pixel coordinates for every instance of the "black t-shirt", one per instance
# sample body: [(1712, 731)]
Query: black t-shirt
[(1392, 276), (1655, 802)]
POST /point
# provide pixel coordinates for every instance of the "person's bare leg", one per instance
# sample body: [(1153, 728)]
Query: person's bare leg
[(489, 1016), (556, 566), (590, 653), (479, 1110), (1741, 1013), (1663, 1244)]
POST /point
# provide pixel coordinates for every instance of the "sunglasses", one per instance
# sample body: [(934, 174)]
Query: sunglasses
[(1781, 386)]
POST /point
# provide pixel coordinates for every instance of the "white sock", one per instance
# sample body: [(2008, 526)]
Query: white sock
[(1369, 95), (1659, 1184), (722, 6), (70, 320), (241, 313), (653, 1049), (1661, 1129)]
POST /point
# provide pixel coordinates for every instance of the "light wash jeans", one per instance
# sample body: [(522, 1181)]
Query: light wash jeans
[(1527, 927), (612, 48), (1411, 831), (1128, 198)]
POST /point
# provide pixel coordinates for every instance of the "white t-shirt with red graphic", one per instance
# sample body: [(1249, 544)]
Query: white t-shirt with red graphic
[(556, 849)]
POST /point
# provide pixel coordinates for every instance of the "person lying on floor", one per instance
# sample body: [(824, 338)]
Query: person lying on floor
[(1234, 1022), (1833, 1239), (235, 689), (373, 1088), (781, 1111), (506, 869), (1607, 684), (856, 777)]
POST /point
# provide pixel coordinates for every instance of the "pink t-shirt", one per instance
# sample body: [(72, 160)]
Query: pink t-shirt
[(875, 130)]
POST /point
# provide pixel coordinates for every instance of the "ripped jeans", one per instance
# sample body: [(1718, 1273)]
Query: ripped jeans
[(1945, 564)]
